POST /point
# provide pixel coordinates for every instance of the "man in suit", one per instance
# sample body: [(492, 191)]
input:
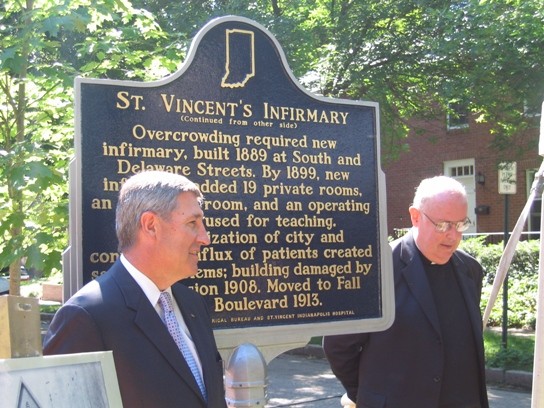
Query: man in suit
[(432, 355), (160, 228)]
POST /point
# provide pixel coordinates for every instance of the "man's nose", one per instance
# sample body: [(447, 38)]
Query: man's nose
[(203, 237)]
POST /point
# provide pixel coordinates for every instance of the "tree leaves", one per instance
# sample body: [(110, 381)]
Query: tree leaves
[(414, 57), (42, 50)]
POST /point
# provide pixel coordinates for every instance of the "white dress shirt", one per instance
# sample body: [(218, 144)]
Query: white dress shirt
[(153, 293)]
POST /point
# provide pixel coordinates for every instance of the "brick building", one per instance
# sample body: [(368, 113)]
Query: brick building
[(464, 151)]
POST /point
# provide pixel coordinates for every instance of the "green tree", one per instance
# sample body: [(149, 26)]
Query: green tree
[(33, 142), (43, 46), (413, 57)]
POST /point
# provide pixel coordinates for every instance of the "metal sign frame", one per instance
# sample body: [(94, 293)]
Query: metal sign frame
[(304, 167)]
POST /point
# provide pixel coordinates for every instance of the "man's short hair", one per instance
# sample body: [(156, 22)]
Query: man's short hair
[(433, 186), (155, 191)]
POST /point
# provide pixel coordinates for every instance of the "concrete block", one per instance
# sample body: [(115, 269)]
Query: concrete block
[(519, 379), (20, 330), (494, 375)]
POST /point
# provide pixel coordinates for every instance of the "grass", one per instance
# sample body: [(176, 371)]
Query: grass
[(519, 352)]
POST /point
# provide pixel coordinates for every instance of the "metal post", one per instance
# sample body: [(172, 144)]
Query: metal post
[(246, 378)]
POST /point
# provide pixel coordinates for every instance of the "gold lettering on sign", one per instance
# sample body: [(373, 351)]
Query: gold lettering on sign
[(283, 190)]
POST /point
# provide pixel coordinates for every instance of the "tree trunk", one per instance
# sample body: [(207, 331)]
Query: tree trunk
[(15, 193)]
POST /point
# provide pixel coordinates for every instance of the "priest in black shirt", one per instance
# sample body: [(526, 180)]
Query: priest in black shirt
[(432, 356)]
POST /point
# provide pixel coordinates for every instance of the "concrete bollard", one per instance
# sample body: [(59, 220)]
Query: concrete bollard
[(246, 377), (20, 334)]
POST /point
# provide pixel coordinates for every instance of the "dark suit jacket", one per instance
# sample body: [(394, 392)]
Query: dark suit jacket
[(113, 313), (401, 367)]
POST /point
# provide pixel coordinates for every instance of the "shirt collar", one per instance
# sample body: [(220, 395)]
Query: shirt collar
[(149, 288)]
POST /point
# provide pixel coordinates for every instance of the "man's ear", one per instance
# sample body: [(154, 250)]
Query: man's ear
[(149, 224), (415, 216)]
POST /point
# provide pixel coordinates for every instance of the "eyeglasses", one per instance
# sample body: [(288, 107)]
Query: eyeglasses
[(443, 226)]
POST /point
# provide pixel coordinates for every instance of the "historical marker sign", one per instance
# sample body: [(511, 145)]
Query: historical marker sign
[(295, 201)]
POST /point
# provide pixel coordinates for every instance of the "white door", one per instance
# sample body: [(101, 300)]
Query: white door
[(463, 171)]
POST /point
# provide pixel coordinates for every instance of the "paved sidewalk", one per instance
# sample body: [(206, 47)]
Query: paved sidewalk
[(303, 379), (299, 381)]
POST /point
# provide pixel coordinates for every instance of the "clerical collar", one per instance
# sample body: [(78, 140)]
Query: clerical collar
[(426, 261)]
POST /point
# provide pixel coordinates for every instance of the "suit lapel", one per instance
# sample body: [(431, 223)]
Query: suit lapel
[(148, 321), (468, 286), (414, 274), (469, 290)]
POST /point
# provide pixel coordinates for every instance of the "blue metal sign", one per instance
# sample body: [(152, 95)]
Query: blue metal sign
[(294, 194)]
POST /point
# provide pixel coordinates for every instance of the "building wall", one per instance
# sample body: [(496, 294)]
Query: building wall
[(426, 156)]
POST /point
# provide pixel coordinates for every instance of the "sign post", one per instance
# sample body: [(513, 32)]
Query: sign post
[(507, 186), (294, 193)]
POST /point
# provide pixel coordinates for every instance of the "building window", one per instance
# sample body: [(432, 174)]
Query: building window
[(460, 171), (457, 116)]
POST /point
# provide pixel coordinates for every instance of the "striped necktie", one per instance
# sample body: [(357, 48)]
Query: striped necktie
[(173, 327)]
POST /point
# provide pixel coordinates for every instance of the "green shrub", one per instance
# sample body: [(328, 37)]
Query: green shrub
[(522, 280)]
